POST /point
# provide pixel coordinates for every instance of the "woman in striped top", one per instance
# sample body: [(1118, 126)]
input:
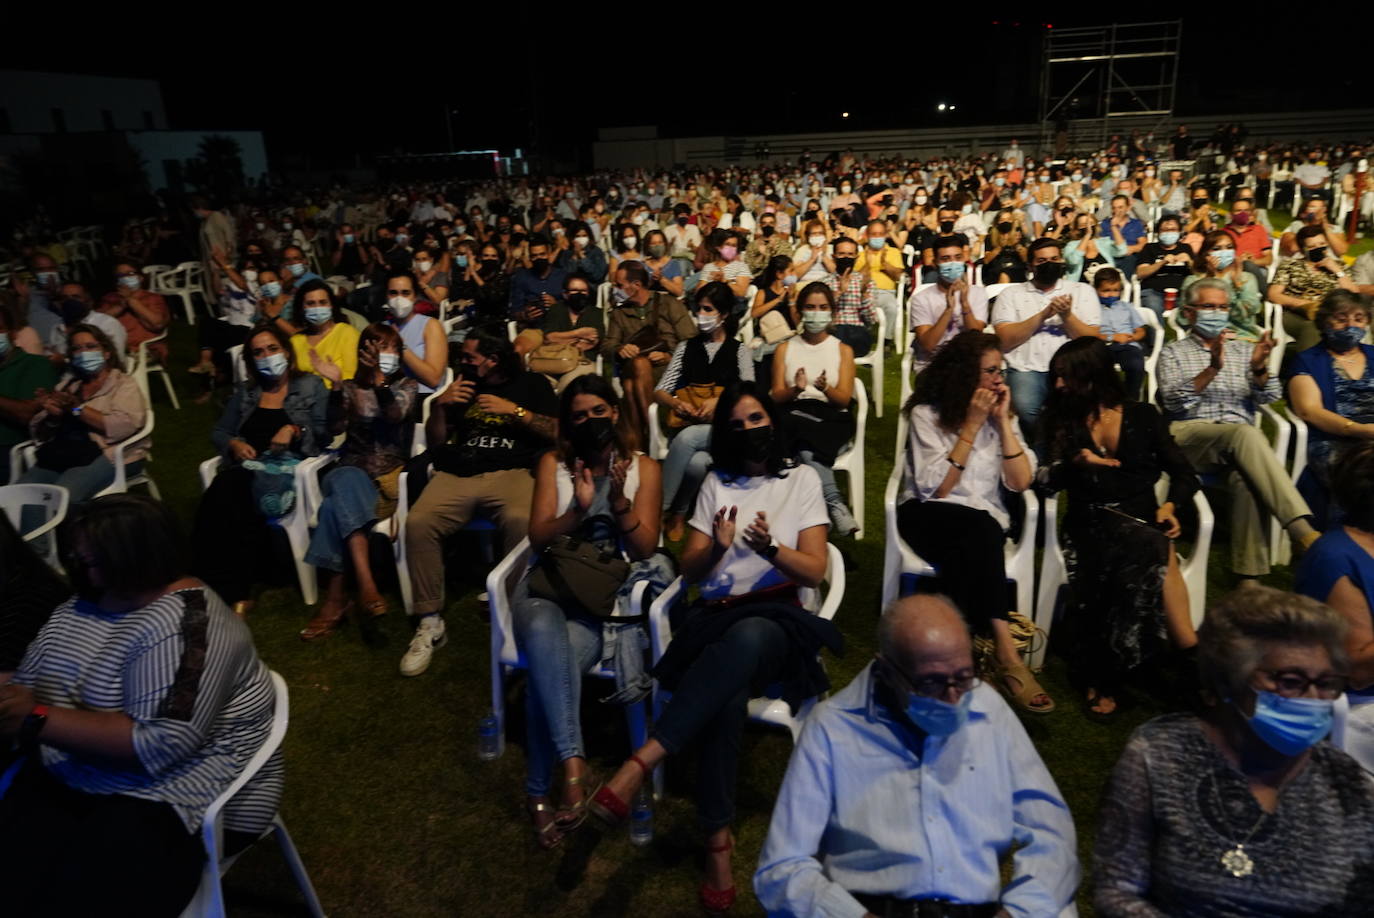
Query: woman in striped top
[(138, 703)]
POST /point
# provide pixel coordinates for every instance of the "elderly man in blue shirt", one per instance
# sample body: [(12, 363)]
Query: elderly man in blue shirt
[(908, 788)]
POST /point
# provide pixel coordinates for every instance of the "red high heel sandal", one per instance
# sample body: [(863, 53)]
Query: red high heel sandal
[(714, 900), (608, 807)]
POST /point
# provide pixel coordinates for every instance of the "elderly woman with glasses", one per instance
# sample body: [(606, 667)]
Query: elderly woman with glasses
[(1242, 810)]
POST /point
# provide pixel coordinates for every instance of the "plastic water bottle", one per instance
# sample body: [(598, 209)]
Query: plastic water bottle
[(488, 738), (642, 818)]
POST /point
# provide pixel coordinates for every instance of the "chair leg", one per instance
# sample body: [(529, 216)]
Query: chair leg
[(152, 488), (293, 860), (878, 384), (171, 390)]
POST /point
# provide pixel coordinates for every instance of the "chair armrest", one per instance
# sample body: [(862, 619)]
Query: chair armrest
[(208, 469), (835, 582), (498, 594), (660, 633), (17, 452), (280, 715), (307, 476)]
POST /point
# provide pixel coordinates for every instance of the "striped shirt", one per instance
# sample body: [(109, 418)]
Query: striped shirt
[(185, 671)]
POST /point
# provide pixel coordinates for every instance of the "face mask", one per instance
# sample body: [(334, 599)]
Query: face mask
[(619, 296), (89, 363), (921, 199), (402, 238), (1317, 255), (260, 225), (936, 717), (577, 301), (816, 319), (1004, 227), (581, 241), (47, 278), (1149, 173), (591, 437), (348, 238), (1290, 725), (296, 270), (1109, 300), (681, 221), (789, 280), (1077, 176), (250, 275), (1048, 273), (1225, 257), (400, 306), (423, 266), (1211, 322), (460, 260), (1342, 339), (630, 242), (1199, 202), (999, 181), (877, 243), (271, 289), (286, 226), (950, 271), (1044, 178), (129, 282), (318, 315), (539, 265), (707, 324), (4, 343), (966, 209), (843, 264), (272, 366), (1169, 238), (768, 231), (756, 442), (1241, 218), (815, 241), (388, 363), (728, 252), (845, 189), (946, 226)]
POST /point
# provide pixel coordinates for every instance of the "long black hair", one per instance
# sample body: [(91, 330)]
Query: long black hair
[(954, 373), (727, 450), (591, 384), (1090, 384)]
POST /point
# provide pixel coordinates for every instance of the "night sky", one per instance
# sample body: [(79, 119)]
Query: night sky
[(336, 92)]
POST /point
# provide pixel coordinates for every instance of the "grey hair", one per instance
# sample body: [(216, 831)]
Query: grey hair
[(1208, 283), (887, 622), (1242, 627)]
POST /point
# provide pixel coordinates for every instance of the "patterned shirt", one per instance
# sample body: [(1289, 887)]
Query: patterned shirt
[(1232, 397), (1304, 280), (853, 299)]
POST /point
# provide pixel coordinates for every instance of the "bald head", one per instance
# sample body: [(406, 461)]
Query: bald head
[(924, 635)]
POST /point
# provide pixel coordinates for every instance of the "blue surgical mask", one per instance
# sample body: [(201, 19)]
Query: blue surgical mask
[(348, 237), (460, 260), (938, 718), (296, 270), (876, 243), (619, 296), (271, 289), (1337, 339), (388, 363), (47, 278), (1225, 257), (1109, 300), (950, 271), (402, 238), (128, 281), (1169, 238), (272, 366), (1211, 322), (88, 363), (318, 315), (1291, 725)]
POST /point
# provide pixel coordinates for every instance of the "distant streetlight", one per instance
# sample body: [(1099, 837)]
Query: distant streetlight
[(941, 106), (844, 114)]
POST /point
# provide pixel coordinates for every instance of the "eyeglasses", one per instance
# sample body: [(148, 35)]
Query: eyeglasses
[(398, 293), (935, 686), (994, 371), (1292, 684)]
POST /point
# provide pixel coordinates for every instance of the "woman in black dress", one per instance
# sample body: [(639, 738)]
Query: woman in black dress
[(1107, 453)]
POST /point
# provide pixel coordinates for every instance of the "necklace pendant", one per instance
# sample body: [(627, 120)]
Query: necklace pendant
[(1237, 863)]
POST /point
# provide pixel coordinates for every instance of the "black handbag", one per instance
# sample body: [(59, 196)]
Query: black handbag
[(579, 576)]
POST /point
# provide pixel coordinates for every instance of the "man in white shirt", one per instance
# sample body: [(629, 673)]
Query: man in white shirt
[(910, 786), (1035, 319), (74, 303), (951, 305), (1312, 177)]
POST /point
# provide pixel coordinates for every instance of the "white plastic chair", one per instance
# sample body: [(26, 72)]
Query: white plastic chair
[(1054, 574), (297, 523), (142, 366), (901, 334), (418, 441), (1152, 358), (182, 281), (874, 360), (24, 455), (53, 500), (209, 898), (851, 458), (658, 440), (909, 351), (899, 561), (763, 710), (236, 364), (506, 656)]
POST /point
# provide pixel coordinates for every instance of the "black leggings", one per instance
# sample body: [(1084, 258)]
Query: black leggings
[(965, 547), (65, 852)]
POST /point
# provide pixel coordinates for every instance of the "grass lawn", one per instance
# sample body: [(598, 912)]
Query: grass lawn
[(393, 812)]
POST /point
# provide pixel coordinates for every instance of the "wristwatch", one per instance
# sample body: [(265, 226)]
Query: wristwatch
[(520, 413), (76, 412), (32, 725), (769, 551)]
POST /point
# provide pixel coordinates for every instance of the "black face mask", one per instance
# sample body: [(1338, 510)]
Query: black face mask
[(385, 243), (1199, 202), (539, 265), (756, 443), (682, 221), (768, 231), (73, 311), (1047, 273), (843, 264), (577, 301), (490, 265), (946, 226), (1317, 255), (1066, 210), (591, 437), (1004, 227)]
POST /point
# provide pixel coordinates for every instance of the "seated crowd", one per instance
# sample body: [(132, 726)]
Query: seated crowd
[(640, 377)]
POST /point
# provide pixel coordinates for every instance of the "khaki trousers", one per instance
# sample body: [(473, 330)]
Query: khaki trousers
[(447, 504), (1254, 477)]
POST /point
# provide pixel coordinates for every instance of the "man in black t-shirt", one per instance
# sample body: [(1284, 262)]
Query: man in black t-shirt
[(488, 428)]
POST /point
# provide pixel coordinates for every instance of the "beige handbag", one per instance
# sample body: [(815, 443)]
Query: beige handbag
[(555, 359), (774, 328)]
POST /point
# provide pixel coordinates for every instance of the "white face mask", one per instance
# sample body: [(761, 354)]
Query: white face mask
[(400, 306), (388, 363), (581, 241), (816, 319), (707, 323), (921, 199), (423, 266), (816, 241)]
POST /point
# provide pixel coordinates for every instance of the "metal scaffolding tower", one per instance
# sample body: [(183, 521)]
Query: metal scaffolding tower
[(1101, 80)]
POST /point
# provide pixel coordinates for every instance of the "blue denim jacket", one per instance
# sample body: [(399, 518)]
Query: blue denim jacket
[(306, 406)]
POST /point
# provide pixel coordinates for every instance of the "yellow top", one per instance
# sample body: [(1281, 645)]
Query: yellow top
[(340, 346), (872, 262)]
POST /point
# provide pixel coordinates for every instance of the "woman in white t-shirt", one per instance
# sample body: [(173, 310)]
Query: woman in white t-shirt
[(811, 261), (757, 536)]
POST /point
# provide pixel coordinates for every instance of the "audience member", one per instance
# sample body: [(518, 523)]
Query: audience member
[(949, 306), (327, 345), (1121, 329), (1163, 265), (1216, 258), (24, 377), (854, 295), (881, 265), (1302, 280), (144, 315)]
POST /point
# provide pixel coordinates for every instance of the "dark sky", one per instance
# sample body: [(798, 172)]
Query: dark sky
[(334, 93)]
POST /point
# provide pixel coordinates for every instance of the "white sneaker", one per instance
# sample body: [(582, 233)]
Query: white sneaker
[(429, 635)]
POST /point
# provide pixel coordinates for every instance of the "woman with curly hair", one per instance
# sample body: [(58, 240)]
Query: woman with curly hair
[(963, 447)]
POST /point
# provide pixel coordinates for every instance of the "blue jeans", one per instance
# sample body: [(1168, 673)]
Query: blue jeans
[(1029, 389), (711, 704), (82, 483), (558, 650), (349, 503), (829, 489), (689, 459), (1153, 300)]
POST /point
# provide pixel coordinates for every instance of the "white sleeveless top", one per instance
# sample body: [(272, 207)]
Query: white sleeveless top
[(815, 359), (564, 481)]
